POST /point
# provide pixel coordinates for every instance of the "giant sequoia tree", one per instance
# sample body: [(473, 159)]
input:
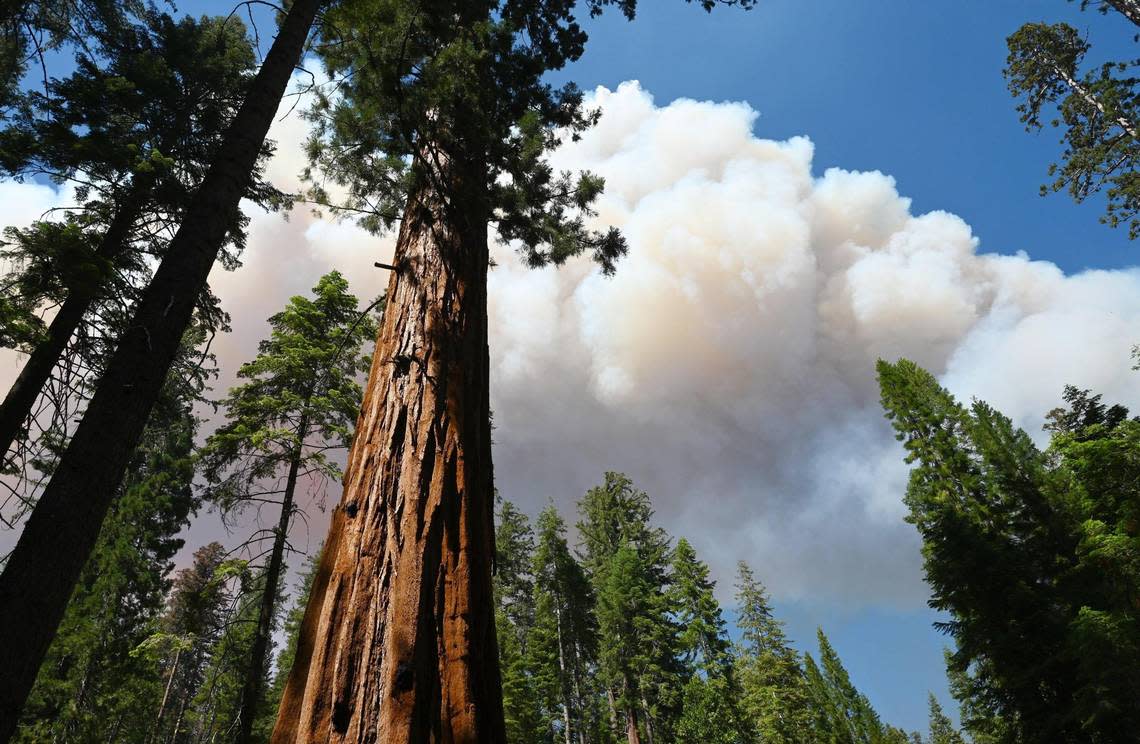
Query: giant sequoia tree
[(441, 120)]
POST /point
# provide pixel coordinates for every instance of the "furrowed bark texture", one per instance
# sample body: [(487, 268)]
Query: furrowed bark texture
[(401, 647), (61, 531)]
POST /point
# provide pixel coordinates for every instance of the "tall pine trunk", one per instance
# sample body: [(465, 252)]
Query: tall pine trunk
[(165, 697), (35, 373), (255, 680), (563, 679), (62, 529), (399, 646)]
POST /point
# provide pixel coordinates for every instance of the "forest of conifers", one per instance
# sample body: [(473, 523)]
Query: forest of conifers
[(436, 610)]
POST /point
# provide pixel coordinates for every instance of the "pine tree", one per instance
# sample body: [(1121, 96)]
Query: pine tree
[(38, 29), (443, 122), (513, 582), (522, 714), (842, 714), (626, 559), (775, 695), (514, 621), (216, 710), (563, 643), (942, 729), (92, 687), (1031, 554), (134, 129), (61, 532), (297, 406), (1098, 110), (976, 710), (263, 726), (195, 619), (711, 696), (703, 640), (709, 713)]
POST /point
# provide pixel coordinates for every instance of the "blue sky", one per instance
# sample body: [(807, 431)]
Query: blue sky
[(912, 89)]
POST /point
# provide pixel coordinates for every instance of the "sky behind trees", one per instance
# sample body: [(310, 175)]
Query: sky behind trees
[(913, 90)]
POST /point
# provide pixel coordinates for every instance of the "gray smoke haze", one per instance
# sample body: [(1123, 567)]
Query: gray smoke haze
[(728, 366)]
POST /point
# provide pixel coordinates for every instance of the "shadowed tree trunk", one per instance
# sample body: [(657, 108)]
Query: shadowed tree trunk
[(165, 697), (255, 675), (399, 646), (1130, 9), (21, 397), (632, 732), (62, 529)]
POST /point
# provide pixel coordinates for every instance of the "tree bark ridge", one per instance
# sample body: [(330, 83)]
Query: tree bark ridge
[(403, 647)]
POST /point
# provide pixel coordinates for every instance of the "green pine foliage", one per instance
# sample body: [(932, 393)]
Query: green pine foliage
[(134, 129), (454, 98), (93, 686), (627, 561), (710, 713), (703, 640), (1031, 552), (514, 626), (297, 407), (298, 403), (771, 673), (195, 620), (215, 709), (942, 729), (626, 635), (712, 698), (563, 644), (840, 713), (1096, 107)]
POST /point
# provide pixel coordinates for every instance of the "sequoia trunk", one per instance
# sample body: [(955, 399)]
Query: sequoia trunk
[(400, 645), (61, 531)]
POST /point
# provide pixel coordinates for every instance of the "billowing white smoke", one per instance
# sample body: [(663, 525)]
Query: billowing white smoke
[(728, 366)]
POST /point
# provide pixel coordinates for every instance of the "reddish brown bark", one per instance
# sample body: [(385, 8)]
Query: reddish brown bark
[(399, 645)]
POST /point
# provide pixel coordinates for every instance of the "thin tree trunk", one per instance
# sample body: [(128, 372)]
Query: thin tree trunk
[(61, 531), (1079, 88), (648, 721), (113, 737), (178, 721), (562, 678), (1130, 9), (165, 696), (254, 681), (35, 373), (403, 647), (613, 710), (632, 729), (579, 701)]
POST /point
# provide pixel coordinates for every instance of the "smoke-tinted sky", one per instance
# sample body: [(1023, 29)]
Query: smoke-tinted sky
[(727, 367)]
